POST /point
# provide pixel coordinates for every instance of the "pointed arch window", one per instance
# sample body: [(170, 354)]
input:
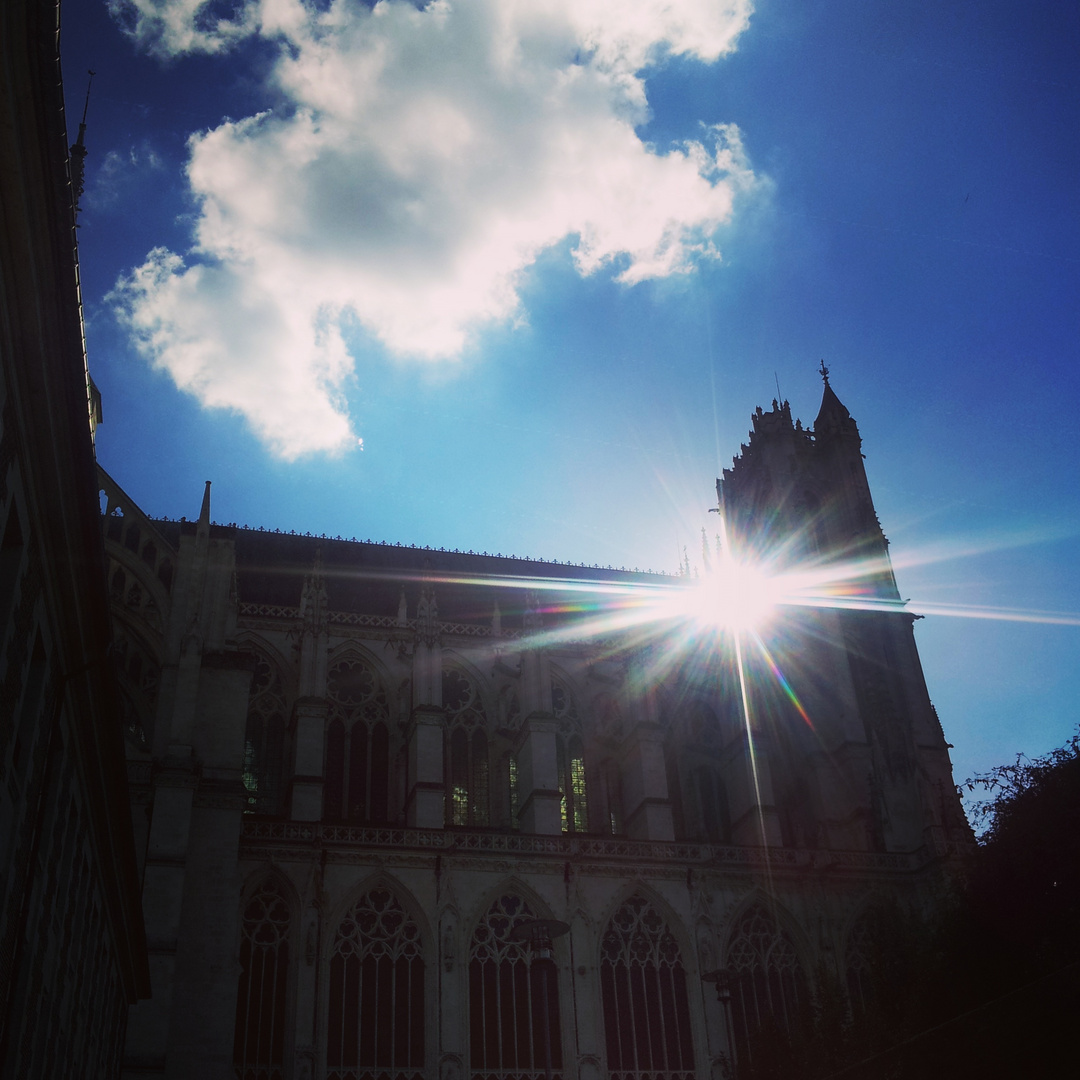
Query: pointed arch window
[(357, 785), (264, 740), (571, 760), (376, 1008), (467, 752), (507, 1002), (646, 1008), (769, 989), (262, 994)]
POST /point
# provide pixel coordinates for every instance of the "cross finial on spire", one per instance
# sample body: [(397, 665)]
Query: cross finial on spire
[(86, 103), (824, 372)]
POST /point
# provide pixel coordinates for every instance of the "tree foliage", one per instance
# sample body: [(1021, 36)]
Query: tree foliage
[(989, 985)]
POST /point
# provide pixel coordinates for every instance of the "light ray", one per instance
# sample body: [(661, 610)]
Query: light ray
[(736, 594), (784, 684)]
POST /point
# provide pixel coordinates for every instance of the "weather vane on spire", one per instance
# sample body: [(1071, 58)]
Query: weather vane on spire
[(824, 372)]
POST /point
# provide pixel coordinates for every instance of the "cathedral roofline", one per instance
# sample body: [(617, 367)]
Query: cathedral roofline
[(423, 559)]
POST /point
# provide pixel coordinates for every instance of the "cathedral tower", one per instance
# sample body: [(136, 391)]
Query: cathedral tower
[(798, 499)]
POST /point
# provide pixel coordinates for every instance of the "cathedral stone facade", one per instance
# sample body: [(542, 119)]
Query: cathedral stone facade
[(362, 775)]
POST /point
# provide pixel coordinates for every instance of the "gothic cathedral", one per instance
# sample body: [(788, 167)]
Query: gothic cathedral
[(394, 813), (413, 813)]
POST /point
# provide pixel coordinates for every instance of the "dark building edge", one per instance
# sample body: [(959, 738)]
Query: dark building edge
[(47, 433)]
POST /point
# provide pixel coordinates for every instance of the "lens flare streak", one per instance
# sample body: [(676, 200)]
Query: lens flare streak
[(782, 680)]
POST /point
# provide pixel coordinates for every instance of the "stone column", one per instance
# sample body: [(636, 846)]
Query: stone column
[(309, 733), (201, 1028), (646, 804), (425, 784), (536, 747), (425, 781), (539, 799), (585, 977), (307, 963), (162, 902), (185, 1029), (645, 798), (309, 712)]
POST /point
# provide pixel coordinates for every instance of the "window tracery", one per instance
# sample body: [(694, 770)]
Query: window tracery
[(643, 987), (468, 752), (262, 995), (264, 739), (357, 785), (770, 988), (507, 1003), (376, 1005)]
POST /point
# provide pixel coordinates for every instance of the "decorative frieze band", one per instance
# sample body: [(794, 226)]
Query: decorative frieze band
[(568, 847)]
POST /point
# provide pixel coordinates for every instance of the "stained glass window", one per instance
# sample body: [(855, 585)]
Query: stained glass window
[(262, 994), (508, 998), (357, 776), (376, 1008), (646, 1009), (770, 988), (574, 804), (467, 758)]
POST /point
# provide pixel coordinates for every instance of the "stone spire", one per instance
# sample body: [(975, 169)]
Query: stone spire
[(313, 598), (204, 510), (833, 417), (314, 622), (78, 152)]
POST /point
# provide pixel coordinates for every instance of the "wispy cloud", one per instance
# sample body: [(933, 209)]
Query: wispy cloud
[(118, 172), (427, 156)]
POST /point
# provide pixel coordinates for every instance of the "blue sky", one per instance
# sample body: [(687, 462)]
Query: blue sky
[(545, 265)]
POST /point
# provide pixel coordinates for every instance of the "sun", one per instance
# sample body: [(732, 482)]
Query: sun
[(734, 595)]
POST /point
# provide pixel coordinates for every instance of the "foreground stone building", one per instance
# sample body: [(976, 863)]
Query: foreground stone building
[(357, 767), (72, 954)]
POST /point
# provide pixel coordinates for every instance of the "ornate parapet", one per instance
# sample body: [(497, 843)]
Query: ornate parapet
[(265, 836)]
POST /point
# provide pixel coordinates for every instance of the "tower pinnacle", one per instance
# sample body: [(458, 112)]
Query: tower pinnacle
[(78, 150), (833, 417), (204, 510)]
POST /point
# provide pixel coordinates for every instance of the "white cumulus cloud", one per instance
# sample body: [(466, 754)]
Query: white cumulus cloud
[(426, 157)]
